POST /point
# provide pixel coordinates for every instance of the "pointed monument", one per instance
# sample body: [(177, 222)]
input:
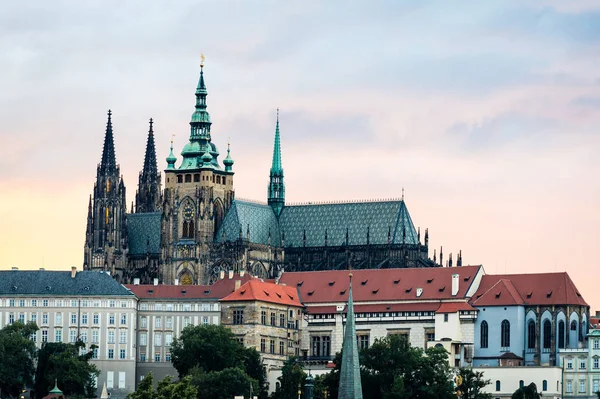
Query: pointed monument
[(350, 384)]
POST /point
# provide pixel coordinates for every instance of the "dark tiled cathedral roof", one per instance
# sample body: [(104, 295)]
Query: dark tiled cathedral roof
[(313, 220), (143, 233)]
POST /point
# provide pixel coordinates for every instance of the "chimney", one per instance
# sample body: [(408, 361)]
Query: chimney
[(419, 292), (73, 271), (15, 268), (221, 274), (230, 274), (238, 283), (176, 281), (136, 281), (155, 281), (242, 273), (455, 286)]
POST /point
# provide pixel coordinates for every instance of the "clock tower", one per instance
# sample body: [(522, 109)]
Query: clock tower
[(198, 192)]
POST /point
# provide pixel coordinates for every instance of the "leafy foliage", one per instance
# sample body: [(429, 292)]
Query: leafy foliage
[(528, 392), (18, 353), (63, 362), (210, 354), (166, 389), (472, 384), (292, 377)]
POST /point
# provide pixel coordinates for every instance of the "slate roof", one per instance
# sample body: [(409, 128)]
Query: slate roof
[(59, 283), (532, 288), (331, 286), (378, 217), (244, 215), (257, 290), (143, 233)]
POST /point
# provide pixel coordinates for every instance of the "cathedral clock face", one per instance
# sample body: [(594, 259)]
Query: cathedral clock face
[(188, 212)]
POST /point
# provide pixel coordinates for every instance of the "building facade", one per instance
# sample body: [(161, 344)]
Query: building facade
[(195, 228), (77, 306), (581, 368)]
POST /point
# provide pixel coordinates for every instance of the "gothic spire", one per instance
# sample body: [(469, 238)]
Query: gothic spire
[(150, 170), (108, 163), (200, 122), (276, 192), (350, 384), (148, 196)]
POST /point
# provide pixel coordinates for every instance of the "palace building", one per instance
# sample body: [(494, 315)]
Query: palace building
[(194, 228)]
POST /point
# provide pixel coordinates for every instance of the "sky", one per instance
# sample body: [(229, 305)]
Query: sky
[(486, 113)]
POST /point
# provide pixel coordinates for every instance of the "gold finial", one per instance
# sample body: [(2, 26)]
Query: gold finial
[(350, 275), (172, 138), (202, 60)]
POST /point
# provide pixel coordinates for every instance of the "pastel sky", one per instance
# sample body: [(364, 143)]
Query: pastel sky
[(487, 113)]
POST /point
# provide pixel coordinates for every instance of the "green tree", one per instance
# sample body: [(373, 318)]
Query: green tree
[(18, 353), (63, 362), (167, 389), (292, 377), (210, 347), (472, 384), (528, 392), (145, 389), (224, 384), (255, 369)]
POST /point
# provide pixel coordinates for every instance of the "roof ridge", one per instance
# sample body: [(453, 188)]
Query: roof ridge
[(249, 200), (342, 202)]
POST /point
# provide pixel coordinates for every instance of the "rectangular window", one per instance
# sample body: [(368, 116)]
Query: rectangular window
[(45, 303), (74, 318), (73, 303), (569, 364), (581, 386), (58, 335), (569, 386), (123, 319), (596, 386), (144, 322), (168, 357), (84, 319), (123, 336), (157, 357), (111, 336), (282, 320), (44, 318), (22, 317), (34, 337), (186, 322), (281, 348), (11, 303), (144, 306), (84, 303), (205, 307), (83, 336), (263, 317), (158, 339), (158, 322), (143, 339), (122, 354), (95, 353), (123, 304), (362, 341), (96, 319), (11, 318), (44, 335), (112, 303), (596, 346), (596, 364), (321, 345), (95, 336), (238, 316), (34, 317), (186, 307), (263, 345), (110, 378), (72, 336), (582, 365), (22, 303), (205, 320), (446, 317), (34, 303), (142, 357), (272, 346), (59, 303), (121, 379), (111, 319), (169, 322), (58, 318), (158, 306), (273, 318), (168, 339), (111, 353)]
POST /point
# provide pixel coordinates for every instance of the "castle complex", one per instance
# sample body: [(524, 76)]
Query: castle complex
[(195, 228)]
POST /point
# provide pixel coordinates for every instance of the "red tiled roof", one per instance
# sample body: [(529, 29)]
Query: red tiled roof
[(453, 307), (501, 293), (532, 289), (370, 308), (257, 290), (380, 284), (221, 288)]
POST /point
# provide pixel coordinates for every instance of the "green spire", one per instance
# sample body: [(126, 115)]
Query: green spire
[(171, 159), (350, 384), (55, 389), (200, 122), (276, 191), (228, 161)]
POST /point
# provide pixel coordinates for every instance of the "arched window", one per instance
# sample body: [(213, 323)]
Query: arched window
[(573, 325), (582, 331), (484, 334), (505, 334), (561, 334), (185, 232), (191, 229), (544, 385), (497, 385), (188, 229), (531, 335), (547, 334)]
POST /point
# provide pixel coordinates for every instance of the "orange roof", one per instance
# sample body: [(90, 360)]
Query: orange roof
[(453, 307), (381, 284), (221, 288), (257, 290), (372, 308), (529, 289)]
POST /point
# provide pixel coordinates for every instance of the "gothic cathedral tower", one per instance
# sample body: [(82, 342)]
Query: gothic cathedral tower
[(148, 197), (197, 195), (106, 233)]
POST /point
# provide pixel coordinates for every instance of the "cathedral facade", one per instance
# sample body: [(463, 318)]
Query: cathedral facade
[(194, 229)]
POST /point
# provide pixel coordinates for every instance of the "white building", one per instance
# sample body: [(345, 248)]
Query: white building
[(70, 306), (504, 381), (582, 368)]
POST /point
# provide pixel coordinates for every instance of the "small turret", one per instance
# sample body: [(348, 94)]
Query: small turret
[(228, 161), (171, 159)]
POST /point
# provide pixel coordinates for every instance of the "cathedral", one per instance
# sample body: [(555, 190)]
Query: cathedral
[(194, 229)]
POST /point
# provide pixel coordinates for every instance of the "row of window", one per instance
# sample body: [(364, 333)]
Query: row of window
[(522, 384), (263, 346), (94, 337), (157, 357), (58, 318), (273, 319), (181, 307), (110, 380), (188, 178), (582, 386), (157, 339), (583, 364), (65, 303), (504, 334), (158, 324)]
